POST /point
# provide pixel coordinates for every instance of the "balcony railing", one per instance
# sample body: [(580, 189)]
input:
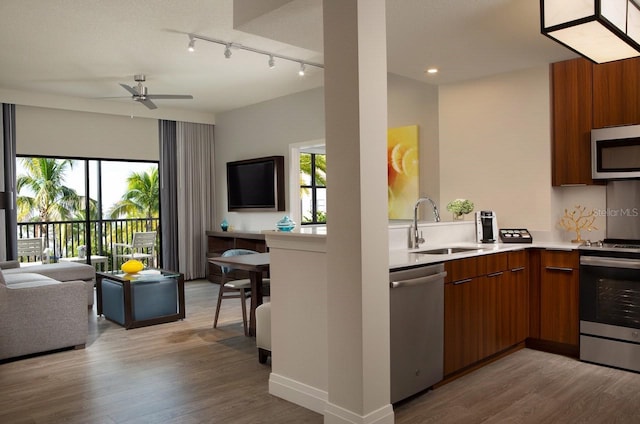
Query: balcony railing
[(64, 237)]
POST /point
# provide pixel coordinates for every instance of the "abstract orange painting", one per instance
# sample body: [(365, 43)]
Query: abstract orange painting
[(402, 171)]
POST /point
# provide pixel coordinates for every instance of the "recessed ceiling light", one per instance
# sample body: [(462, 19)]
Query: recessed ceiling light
[(432, 71)]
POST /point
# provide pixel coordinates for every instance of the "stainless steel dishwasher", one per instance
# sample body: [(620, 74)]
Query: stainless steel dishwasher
[(417, 329)]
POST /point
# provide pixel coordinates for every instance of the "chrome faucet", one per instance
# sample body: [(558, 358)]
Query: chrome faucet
[(417, 236)]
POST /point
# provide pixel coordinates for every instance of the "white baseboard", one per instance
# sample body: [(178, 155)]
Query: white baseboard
[(317, 400), (335, 414), (299, 393)]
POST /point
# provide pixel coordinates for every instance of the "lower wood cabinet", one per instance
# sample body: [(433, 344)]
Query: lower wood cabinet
[(462, 329), (486, 307), (559, 297)]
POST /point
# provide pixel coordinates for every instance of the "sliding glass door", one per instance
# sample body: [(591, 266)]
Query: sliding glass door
[(82, 207)]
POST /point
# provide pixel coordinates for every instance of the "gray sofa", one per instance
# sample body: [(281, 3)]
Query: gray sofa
[(43, 307), (62, 271)]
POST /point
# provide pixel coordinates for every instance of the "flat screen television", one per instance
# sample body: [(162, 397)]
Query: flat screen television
[(256, 184)]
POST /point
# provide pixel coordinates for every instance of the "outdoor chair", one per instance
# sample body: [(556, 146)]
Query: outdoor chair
[(30, 249), (142, 246)]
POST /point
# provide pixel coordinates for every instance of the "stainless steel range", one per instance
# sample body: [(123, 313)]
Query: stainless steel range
[(610, 284)]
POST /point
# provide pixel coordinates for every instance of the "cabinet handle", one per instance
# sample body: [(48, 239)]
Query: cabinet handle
[(558, 268), (468, 280), (518, 269), (495, 274)]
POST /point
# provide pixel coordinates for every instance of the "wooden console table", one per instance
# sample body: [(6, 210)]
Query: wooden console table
[(219, 241)]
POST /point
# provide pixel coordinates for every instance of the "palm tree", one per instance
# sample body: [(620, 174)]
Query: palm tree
[(320, 162), (51, 199), (321, 167), (142, 197)]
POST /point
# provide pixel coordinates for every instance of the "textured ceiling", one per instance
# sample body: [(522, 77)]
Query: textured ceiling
[(85, 48)]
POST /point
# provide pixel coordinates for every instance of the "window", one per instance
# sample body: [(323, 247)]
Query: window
[(313, 188), (85, 203)]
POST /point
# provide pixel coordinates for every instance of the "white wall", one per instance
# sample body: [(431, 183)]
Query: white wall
[(269, 128), (411, 102), (57, 132), (495, 149), (264, 129)]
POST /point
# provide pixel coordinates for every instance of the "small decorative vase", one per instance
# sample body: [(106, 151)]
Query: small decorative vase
[(224, 225), (285, 224), (82, 252)]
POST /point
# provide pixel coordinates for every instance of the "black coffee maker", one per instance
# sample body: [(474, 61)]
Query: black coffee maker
[(486, 227)]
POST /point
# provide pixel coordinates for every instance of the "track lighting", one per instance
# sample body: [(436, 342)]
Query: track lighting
[(272, 56), (192, 44)]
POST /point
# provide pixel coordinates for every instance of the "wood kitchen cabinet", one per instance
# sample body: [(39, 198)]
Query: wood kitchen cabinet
[(572, 111), (616, 93), (486, 307), (559, 296), (461, 324)]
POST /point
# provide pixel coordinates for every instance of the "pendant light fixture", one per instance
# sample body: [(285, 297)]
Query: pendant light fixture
[(600, 30)]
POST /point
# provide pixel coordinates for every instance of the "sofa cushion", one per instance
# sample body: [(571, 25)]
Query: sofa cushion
[(32, 283), (62, 271), (2, 282), (15, 279), (9, 264)]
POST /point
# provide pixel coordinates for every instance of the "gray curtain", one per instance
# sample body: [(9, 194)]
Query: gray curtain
[(8, 223), (195, 195), (168, 196)]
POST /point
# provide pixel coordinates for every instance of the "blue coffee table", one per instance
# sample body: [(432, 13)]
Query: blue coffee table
[(149, 297)]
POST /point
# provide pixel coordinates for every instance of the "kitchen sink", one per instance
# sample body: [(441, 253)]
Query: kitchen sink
[(448, 250)]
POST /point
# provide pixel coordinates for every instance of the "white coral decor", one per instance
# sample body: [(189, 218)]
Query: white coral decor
[(460, 206)]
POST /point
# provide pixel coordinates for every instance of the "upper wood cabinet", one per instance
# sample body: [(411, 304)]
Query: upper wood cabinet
[(571, 103), (585, 96), (616, 93)]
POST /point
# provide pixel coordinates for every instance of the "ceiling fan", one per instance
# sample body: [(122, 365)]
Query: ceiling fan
[(139, 93)]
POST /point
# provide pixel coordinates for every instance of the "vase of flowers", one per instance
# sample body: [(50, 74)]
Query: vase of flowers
[(459, 208)]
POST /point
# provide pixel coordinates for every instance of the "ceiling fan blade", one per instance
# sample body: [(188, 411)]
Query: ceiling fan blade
[(149, 104), (131, 90), (169, 96)]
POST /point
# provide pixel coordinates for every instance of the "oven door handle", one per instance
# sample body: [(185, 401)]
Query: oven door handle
[(610, 262)]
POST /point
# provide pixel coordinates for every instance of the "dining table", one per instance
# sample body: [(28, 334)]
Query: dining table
[(255, 264)]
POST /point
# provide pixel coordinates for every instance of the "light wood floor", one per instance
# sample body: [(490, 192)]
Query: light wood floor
[(534, 387), (188, 372)]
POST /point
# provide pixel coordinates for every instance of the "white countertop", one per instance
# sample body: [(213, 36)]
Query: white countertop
[(314, 239), (401, 258)]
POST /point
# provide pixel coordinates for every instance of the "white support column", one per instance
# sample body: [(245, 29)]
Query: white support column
[(357, 235)]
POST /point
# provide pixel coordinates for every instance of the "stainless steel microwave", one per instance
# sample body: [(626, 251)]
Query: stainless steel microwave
[(615, 152)]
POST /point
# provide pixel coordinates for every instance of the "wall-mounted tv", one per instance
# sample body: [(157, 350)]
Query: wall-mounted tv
[(256, 184)]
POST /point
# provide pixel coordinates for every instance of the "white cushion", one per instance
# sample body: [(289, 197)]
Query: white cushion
[(263, 326)]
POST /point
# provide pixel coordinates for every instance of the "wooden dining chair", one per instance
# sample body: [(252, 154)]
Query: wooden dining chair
[(235, 289)]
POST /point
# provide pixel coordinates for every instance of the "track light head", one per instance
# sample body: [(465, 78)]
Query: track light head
[(302, 69), (192, 44), (272, 62), (227, 51)]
